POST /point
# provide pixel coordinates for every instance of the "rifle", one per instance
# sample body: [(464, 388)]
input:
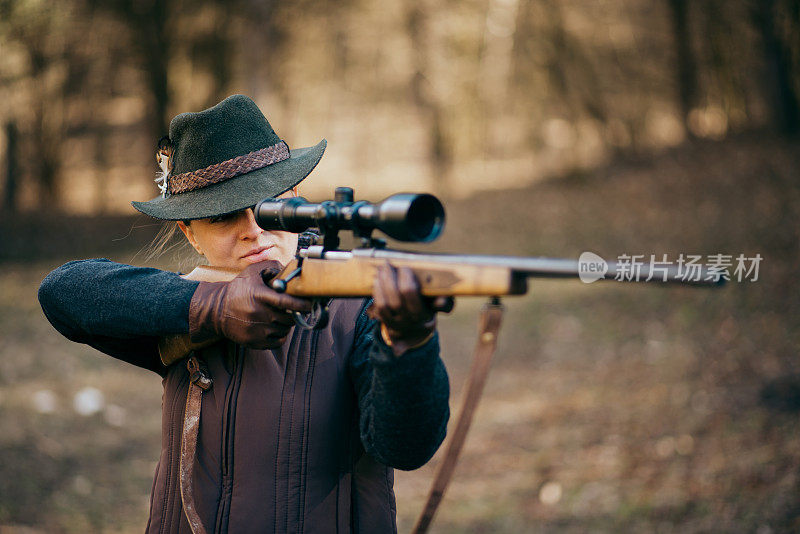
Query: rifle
[(321, 271)]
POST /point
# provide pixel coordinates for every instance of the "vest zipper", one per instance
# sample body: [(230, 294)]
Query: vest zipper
[(228, 429), (312, 360), (281, 505)]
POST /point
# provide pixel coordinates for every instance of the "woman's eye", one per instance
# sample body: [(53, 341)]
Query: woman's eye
[(223, 218)]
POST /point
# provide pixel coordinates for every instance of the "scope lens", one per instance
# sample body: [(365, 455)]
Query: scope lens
[(425, 218)]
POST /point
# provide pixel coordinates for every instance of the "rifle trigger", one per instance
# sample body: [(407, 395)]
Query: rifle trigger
[(317, 319)]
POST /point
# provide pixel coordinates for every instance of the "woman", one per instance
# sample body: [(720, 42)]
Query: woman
[(299, 430)]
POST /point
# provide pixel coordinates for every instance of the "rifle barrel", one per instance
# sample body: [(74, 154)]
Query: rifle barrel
[(543, 267)]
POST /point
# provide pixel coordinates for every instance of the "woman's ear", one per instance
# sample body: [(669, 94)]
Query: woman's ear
[(187, 231)]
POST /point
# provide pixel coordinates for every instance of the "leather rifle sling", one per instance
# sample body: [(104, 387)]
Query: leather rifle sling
[(199, 381), (172, 349), (488, 327)]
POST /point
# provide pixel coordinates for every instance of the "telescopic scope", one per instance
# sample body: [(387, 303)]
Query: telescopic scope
[(405, 216)]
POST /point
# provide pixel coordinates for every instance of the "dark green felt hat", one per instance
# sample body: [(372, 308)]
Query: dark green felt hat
[(225, 159)]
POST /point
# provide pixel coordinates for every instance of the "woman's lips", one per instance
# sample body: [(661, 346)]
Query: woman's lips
[(257, 255)]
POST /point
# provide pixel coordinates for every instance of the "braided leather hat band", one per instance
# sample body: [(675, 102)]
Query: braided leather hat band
[(219, 172)]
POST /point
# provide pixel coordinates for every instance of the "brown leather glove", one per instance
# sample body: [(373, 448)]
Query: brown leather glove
[(244, 310), (407, 318)]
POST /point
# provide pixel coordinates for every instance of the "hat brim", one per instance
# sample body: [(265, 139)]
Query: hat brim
[(239, 192)]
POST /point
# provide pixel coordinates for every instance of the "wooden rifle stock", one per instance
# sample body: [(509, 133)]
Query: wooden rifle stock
[(347, 275)]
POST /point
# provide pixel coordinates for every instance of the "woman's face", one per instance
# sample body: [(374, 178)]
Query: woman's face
[(235, 240)]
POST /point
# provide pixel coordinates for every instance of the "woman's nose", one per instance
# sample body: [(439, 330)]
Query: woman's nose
[(250, 230)]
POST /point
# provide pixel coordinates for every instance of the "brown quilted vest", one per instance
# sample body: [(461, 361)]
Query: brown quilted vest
[(278, 447)]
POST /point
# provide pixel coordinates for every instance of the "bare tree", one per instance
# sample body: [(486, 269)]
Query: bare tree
[(685, 63), (10, 190), (150, 37), (440, 148), (781, 94)]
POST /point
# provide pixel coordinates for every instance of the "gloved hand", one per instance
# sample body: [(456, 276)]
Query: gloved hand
[(407, 318), (245, 310)]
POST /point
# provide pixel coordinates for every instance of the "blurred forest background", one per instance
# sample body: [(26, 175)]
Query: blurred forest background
[(549, 128)]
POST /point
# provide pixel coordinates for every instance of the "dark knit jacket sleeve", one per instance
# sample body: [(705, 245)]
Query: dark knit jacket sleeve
[(403, 401), (118, 309)]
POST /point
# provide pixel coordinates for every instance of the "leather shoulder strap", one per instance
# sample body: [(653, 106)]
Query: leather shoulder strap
[(199, 381), (489, 326)]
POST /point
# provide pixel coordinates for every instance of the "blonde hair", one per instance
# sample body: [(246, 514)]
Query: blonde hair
[(170, 246)]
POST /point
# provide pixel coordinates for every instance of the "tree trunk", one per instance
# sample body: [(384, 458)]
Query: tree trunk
[(46, 144), (499, 32), (101, 170), (686, 66), (264, 45), (220, 56), (439, 146), (780, 92), (10, 190), (153, 38)]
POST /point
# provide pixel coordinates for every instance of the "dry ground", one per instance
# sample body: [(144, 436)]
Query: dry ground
[(609, 408)]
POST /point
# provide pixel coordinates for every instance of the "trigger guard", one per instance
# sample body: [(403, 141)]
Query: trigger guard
[(317, 318)]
